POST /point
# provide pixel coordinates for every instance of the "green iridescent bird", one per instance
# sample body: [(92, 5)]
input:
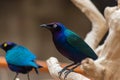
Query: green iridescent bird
[(70, 45)]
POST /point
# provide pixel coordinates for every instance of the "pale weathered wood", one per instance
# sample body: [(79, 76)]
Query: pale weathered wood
[(107, 66), (99, 27), (54, 68)]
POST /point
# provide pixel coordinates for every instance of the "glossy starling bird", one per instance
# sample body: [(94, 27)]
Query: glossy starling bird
[(19, 58), (70, 45)]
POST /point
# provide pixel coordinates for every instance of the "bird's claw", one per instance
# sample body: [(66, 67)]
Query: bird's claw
[(60, 73), (67, 72)]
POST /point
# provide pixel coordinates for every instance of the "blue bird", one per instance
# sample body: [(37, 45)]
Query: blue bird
[(19, 58), (70, 45)]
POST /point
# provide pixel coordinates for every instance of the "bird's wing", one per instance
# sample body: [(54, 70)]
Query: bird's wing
[(20, 56), (75, 41)]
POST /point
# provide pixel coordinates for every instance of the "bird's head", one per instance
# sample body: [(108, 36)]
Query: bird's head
[(54, 27), (7, 46)]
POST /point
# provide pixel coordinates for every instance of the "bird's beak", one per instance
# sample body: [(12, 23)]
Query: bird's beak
[(44, 25)]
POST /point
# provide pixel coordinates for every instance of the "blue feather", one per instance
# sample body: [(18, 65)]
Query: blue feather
[(22, 57), (19, 58), (69, 44)]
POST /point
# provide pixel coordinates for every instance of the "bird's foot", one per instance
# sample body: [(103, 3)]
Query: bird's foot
[(65, 68), (16, 76), (67, 72), (60, 73)]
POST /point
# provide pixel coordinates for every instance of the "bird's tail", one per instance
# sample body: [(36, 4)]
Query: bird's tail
[(36, 69)]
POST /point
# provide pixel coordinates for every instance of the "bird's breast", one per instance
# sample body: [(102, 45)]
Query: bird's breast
[(20, 69), (60, 43), (64, 48)]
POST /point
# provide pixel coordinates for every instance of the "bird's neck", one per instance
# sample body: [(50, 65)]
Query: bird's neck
[(57, 36), (9, 48), (57, 33)]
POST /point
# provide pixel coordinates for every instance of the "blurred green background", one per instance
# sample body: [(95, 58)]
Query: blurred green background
[(20, 20)]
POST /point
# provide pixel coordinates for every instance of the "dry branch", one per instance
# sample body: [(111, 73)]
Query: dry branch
[(54, 67), (107, 66), (99, 27), (108, 63)]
